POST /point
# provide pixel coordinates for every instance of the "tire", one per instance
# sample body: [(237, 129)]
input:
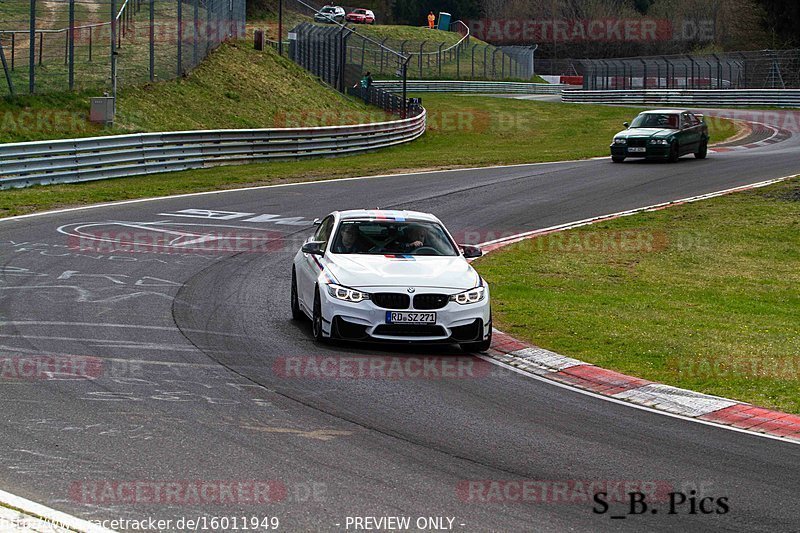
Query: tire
[(702, 151), (316, 319), (674, 154), (297, 313), (480, 346), (617, 158)]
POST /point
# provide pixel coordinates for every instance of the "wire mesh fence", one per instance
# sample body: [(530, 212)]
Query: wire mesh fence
[(58, 45), (763, 69), (452, 54), (325, 51)]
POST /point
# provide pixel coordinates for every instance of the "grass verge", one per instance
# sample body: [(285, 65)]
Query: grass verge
[(235, 87), (702, 296), (463, 131)]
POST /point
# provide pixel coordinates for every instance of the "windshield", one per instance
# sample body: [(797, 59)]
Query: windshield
[(328, 10), (389, 237), (656, 120), (360, 12)]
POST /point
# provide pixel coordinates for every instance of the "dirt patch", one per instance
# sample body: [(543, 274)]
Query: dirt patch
[(791, 195)]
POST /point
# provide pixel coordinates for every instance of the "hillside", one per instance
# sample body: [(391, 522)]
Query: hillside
[(235, 87)]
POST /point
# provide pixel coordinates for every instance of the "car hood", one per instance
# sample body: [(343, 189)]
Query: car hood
[(363, 271), (646, 133)]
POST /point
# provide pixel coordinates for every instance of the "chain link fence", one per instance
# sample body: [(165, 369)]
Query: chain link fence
[(764, 69), (326, 52), (457, 56), (58, 45)]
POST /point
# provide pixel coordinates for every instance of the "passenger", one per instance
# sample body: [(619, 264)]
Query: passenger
[(350, 241)]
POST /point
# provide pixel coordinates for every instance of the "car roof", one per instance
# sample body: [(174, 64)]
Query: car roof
[(387, 214), (666, 111)]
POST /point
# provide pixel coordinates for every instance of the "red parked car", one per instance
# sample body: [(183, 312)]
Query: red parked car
[(361, 16)]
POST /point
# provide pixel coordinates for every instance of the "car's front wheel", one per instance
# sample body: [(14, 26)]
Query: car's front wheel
[(702, 152), (316, 318), (617, 158), (481, 346), (674, 154), (297, 313)]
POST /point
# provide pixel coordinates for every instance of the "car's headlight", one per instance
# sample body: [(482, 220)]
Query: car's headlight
[(469, 297), (620, 140), (347, 294), (659, 141)]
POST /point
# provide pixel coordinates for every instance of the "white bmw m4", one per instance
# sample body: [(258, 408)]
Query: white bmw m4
[(394, 276)]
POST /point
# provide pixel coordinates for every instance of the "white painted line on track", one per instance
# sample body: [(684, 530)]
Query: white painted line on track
[(260, 187), (46, 514), (587, 221)]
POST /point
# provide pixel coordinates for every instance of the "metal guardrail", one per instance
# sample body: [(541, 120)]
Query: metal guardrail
[(117, 156), (694, 97), (466, 86)]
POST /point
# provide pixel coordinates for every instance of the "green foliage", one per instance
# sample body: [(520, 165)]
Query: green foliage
[(707, 301)]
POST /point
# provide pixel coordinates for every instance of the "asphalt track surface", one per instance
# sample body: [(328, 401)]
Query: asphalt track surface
[(191, 346)]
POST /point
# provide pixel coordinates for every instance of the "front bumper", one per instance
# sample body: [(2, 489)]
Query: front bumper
[(652, 151), (365, 321)]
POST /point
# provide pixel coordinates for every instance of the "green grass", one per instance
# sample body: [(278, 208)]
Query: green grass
[(707, 301), (415, 36), (236, 87), (464, 131)]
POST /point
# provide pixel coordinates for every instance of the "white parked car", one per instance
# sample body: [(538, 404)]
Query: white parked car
[(380, 275), (330, 14)]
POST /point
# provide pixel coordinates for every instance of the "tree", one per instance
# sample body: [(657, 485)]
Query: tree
[(783, 18)]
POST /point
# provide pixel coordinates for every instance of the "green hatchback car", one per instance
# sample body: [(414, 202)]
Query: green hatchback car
[(664, 134)]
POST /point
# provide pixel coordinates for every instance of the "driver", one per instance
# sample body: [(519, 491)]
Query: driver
[(414, 237)]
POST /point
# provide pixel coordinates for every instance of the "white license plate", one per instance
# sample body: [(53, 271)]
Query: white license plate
[(397, 317), (637, 149)]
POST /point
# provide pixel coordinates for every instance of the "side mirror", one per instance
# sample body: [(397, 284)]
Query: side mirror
[(314, 248), (627, 125), (471, 252), (317, 221)]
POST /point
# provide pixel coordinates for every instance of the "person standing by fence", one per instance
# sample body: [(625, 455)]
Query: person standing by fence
[(366, 84), (431, 20)]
